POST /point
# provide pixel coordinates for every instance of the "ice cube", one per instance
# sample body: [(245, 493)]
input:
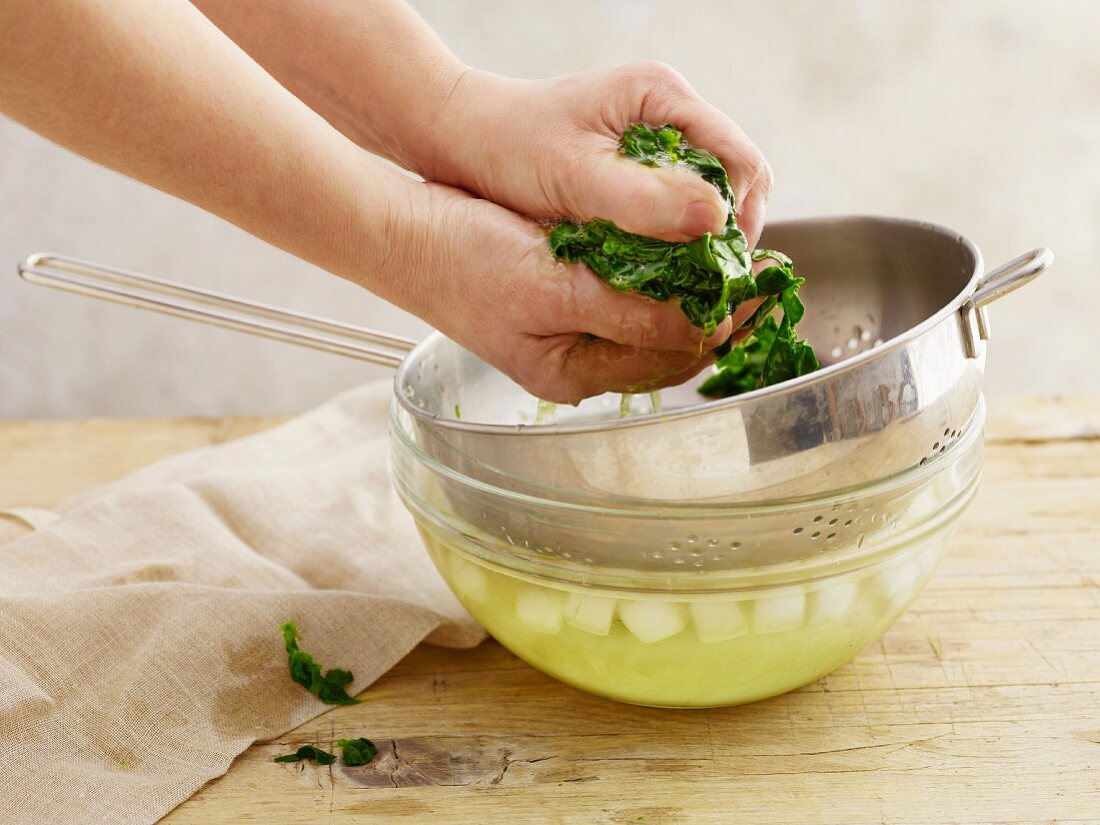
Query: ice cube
[(922, 508), (899, 583), (540, 608), (468, 579), (718, 621), (783, 611), (592, 614), (651, 621), (833, 604)]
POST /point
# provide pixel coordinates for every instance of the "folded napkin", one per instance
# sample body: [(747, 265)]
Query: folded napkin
[(139, 623)]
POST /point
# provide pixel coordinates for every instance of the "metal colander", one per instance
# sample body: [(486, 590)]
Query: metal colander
[(895, 310)]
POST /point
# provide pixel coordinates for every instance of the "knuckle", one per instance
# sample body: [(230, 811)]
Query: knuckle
[(756, 174), (547, 294), (538, 379), (643, 193), (763, 178), (636, 329), (564, 169), (654, 74), (546, 375), (659, 326)]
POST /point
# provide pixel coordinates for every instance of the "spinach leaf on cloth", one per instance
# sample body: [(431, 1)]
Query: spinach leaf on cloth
[(330, 687), (711, 276)]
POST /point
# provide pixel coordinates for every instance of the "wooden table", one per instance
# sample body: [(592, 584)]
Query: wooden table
[(981, 705)]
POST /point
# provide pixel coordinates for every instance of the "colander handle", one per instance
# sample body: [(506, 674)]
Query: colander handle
[(216, 308), (1012, 275), (996, 284)]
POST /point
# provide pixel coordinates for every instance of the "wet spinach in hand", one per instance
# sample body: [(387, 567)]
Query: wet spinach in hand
[(710, 276)]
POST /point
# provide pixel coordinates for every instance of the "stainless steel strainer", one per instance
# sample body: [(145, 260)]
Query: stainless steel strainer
[(895, 309)]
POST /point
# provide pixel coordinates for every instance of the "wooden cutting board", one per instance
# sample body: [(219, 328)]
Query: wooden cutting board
[(982, 704)]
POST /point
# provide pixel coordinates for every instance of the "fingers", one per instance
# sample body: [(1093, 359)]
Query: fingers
[(749, 174), (580, 302), (751, 208), (668, 98), (640, 350), (670, 204), (579, 367), (742, 314)]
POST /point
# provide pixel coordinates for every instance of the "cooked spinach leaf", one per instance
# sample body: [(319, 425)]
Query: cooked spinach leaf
[(330, 687), (773, 352), (740, 368), (308, 752), (357, 751), (711, 276)]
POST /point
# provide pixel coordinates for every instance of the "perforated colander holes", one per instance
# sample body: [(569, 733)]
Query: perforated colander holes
[(673, 551), (940, 447), (830, 531), (828, 528), (694, 551), (559, 553), (556, 552), (860, 340), (698, 549), (888, 521)]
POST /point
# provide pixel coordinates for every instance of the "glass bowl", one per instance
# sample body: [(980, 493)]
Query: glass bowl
[(688, 604)]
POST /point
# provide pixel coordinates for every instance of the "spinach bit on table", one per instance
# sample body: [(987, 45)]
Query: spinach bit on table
[(330, 687), (308, 752), (357, 751), (711, 275)]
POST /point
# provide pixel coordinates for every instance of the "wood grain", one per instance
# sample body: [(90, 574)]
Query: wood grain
[(982, 704)]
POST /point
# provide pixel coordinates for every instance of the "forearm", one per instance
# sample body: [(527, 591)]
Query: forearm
[(151, 89), (373, 69)]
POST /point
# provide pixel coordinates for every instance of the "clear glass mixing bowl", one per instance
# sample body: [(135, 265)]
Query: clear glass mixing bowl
[(688, 605)]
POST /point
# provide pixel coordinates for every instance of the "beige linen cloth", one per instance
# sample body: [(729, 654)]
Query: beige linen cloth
[(139, 623)]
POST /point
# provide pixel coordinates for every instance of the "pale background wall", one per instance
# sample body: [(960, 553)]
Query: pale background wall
[(984, 116)]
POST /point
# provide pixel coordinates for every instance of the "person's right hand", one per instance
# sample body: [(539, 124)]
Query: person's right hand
[(550, 148), (485, 278)]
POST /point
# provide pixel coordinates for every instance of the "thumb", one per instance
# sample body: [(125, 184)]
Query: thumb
[(670, 204)]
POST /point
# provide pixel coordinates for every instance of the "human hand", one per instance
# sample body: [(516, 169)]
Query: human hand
[(549, 148), (259, 157), (488, 281)]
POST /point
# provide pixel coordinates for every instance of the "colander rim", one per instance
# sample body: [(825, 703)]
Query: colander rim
[(703, 407)]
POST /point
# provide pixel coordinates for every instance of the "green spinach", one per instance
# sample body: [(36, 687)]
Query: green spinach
[(773, 352), (711, 276), (330, 688), (357, 751), (308, 752)]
